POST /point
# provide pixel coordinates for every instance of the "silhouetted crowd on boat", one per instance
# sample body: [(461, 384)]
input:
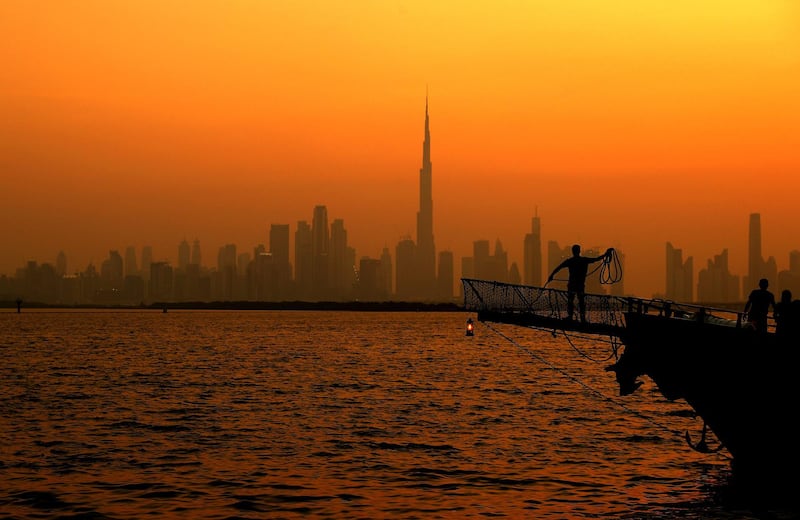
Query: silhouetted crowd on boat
[(785, 312)]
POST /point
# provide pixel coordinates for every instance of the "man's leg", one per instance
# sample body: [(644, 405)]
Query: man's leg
[(570, 304), (582, 305)]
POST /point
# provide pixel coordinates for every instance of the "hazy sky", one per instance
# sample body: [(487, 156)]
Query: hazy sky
[(626, 123)]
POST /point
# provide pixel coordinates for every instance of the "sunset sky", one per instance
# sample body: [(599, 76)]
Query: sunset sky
[(623, 123)]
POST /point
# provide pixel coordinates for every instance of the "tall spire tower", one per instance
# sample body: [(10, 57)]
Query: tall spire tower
[(755, 262), (426, 251)]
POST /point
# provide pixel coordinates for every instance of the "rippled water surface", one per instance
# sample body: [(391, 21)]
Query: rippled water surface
[(334, 414)]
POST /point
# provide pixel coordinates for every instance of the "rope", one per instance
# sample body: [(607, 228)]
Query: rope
[(611, 269), (612, 341), (586, 387)]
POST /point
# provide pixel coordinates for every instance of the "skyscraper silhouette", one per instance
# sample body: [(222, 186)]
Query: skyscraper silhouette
[(757, 267), (425, 256), (196, 254), (147, 259), (415, 273), (341, 262), (680, 275), (532, 262), (184, 254), (130, 261), (320, 249), (303, 259), (61, 264), (755, 262)]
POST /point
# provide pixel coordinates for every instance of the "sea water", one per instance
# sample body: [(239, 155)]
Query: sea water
[(283, 414)]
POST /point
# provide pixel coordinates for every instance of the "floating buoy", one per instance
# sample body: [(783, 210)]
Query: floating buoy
[(470, 327)]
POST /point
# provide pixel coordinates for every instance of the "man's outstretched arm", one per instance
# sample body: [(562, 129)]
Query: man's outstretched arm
[(559, 267)]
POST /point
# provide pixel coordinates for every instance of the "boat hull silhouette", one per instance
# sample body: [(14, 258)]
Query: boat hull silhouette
[(742, 383)]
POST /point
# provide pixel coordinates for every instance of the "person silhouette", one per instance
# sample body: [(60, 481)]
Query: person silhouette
[(758, 304), (787, 317), (578, 267), (782, 313)]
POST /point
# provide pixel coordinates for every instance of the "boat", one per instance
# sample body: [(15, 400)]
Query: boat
[(739, 381)]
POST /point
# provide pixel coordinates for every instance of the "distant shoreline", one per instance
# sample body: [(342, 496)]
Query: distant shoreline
[(387, 306), (390, 306)]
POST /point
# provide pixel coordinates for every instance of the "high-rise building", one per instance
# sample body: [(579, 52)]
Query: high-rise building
[(757, 268), (130, 262), (160, 281), (715, 283), (405, 270), (196, 258), (444, 277), (61, 264), (680, 276), (320, 244), (532, 267), (790, 279), (147, 259), (340, 268), (418, 280), (111, 270), (499, 263), (481, 260), (279, 249), (794, 262), (226, 272), (755, 262), (467, 271), (370, 286), (243, 259), (303, 260), (279, 242), (425, 256), (184, 254), (386, 272), (485, 266)]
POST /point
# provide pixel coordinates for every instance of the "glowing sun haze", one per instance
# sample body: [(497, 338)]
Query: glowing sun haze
[(626, 123)]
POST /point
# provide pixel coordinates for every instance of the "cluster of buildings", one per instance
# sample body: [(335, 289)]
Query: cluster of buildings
[(716, 284), (326, 268)]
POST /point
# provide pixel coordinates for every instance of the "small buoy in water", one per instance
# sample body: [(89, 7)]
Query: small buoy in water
[(470, 327)]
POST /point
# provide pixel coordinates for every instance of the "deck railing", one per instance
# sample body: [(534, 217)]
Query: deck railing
[(488, 297)]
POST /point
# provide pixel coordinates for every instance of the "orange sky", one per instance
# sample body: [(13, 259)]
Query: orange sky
[(627, 124)]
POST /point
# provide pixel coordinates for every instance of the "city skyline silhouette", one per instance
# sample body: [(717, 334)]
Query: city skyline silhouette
[(622, 127)]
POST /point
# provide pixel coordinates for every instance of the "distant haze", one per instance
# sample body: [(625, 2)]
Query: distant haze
[(625, 124)]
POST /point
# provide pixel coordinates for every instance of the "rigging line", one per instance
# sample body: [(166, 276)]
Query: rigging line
[(613, 353), (553, 331), (584, 385)]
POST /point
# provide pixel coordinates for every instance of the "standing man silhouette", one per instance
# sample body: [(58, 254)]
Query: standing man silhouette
[(758, 304), (578, 267)]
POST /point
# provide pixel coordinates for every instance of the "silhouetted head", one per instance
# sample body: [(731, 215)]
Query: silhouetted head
[(763, 283), (576, 250), (786, 296)]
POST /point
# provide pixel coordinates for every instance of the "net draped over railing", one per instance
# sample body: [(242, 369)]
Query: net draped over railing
[(486, 296), (499, 297)]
